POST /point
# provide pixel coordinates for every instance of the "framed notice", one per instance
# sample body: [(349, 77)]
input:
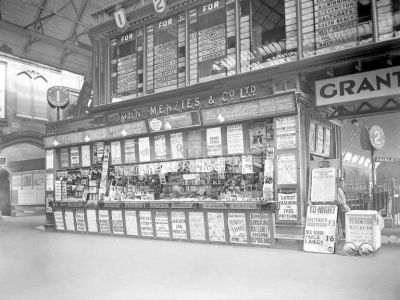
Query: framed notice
[(178, 221), (287, 205), (49, 159), (27, 181), (234, 137), (104, 221), (64, 157), (131, 222), (117, 223), (74, 157), (162, 224), (287, 167), (38, 179), (69, 220), (92, 220), (130, 155), (258, 136), (320, 140), (323, 185), (216, 227), (59, 220), (327, 142), (116, 153), (16, 182), (176, 145), (144, 149), (85, 152), (160, 149), (312, 137), (320, 231), (260, 229), (146, 223), (80, 220), (214, 141), (286, 133), (196, 224), (237, 228), (194, 143)]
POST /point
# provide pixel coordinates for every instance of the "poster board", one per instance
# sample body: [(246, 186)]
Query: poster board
[(286, 165), (131, 222), (196, 224), (237, 228), (80, 220), (363, 226), (146, 223), (104, 221), (59, 220), (260, 228), (162, 224), (216, 227), (320, 231), (69, 220), (286, 133), (288, 209), (178, 221), (323, 185), (91, 220), (117, 222)]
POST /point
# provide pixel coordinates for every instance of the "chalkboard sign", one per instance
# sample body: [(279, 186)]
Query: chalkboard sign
[(131, 222), (196, 224)]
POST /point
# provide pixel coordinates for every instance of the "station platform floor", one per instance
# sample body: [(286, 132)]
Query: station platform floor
[(35, 264)]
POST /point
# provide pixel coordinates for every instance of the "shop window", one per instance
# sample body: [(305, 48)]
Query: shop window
[(388, 12)]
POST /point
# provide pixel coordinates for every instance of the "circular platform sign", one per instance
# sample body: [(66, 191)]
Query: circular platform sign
[(376, 137), (58, 96)]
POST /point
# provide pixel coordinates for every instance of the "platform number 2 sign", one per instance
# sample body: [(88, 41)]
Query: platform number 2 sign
[(376, 137), (160, 6)]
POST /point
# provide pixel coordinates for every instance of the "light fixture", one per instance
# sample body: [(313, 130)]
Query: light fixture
[(389, 61), (167, 125), (123, 132), (220, 117), (355, 123), (358, 66), (55, 143), (87, 138)]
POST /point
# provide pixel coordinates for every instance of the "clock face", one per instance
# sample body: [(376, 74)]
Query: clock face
[(376, 137), (58, 96)]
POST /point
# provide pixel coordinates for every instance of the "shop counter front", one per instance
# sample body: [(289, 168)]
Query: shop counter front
[(239, 223)]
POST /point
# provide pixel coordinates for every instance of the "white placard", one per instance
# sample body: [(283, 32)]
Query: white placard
[(216, 227), (214, 141), (117, 223), (363, 227), (237, 228), (104, 221), (146, 223), (85, 151), (144, 149), (247, 164), (176, 145), (234, 137), (50, 159), (327, 142), (115, 153), (16, 182), (92, 220), (130, 154), (59, 220), (160, 149), (286, 133), (323, 185), (320, 140), (178, 222), (312, 137), (196, 223), (287, 207), (74, 157), (162, 225), (287, 168), (80, 220), (49, 182), (131, 222), (69, 220)]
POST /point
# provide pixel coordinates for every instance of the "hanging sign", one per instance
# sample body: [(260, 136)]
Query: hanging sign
[(58, 97), (286, 133), (376, 137), (234, 136), (214, 141), (130, 155)]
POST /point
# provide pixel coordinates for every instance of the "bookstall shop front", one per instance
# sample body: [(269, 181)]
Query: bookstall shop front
[(191, 136)]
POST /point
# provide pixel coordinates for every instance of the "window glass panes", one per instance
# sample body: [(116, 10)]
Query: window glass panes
[(388, 18)]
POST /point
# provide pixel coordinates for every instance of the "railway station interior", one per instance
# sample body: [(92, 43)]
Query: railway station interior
[(172, 135)]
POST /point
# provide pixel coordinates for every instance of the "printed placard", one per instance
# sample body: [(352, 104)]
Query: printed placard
[(258, 136), (146, 223), (131, 222), (286, 133), (116, 152), (287, 168), (130, 154), (216, 226), (176, 145), (69, 220), (237, 228), (98, 152), (196, 223), (85, 150), (194, 143), (362, 227), (178, 220), (327, 142), (92, 220), (80, 220), (287, 205), (64, 158), (59, 220), (247, 164), (16, 182), (50, 159), (74, 157), (49, 182), (162, 227), (144, 149), (323, 185), (104, 221), (320, 231), (117, 223), (260, 230), (214, 141), (320, 140), (234, 137), (160, 149)]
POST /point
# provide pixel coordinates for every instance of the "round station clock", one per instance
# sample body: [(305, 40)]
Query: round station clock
[(376, 137), (58, 97)]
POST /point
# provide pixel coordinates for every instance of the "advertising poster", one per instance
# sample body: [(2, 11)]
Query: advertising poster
[(216, 227), (287, 205), (237, 228), (69, 220), (16, 182), (49, 182), (160, 148), (194, 144), (38, 179), (178, 220), (234, 137), (49, 159), (327, 142), (320, 231), (320, 140), (221, 165), (64, 158), (286, 133), (130, 156), (117, 223), (260, 233), (104, 221), (176, 145), (98, 152), (144, 149), (116, 153), (361, 227), (27, 181), (214, 141), (59, 220), (287, 168), (146, 223), (74, 157), (312, 137), (80, 220), (131, 222), (197, 229), (323, 185), (258, 136), (247, 164), (92, 220), (162, 227), (85, 150)]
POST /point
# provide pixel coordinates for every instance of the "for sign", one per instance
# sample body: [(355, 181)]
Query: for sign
[(376, 137)]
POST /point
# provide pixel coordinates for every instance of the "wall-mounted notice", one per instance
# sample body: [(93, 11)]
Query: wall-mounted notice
[(216, 226), (234, 136), (80, 220), (247, 164), (323, 185), (237, 228), (214, 141), (286, 133), (178, 221), (92, 220), (117, 223), (160, 149), (16, 182), (258, 136), (320, 140), (59, 220), (320, 232), (162, 227), (27, 181), (64, 158), (144, 149), (98, 152), (74, 157), (104, 221), (194, 143), (131, 222), (327, 142), (130, 156), (197, 229), (85, 151), (260, 230), (146, 223), (116, 153), (287, 168), (69, 220), (50, 159), (49, 182), (312, 137), (176, 145), (287, 205)]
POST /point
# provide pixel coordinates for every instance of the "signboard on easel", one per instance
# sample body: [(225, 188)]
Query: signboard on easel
[(323, 185)]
